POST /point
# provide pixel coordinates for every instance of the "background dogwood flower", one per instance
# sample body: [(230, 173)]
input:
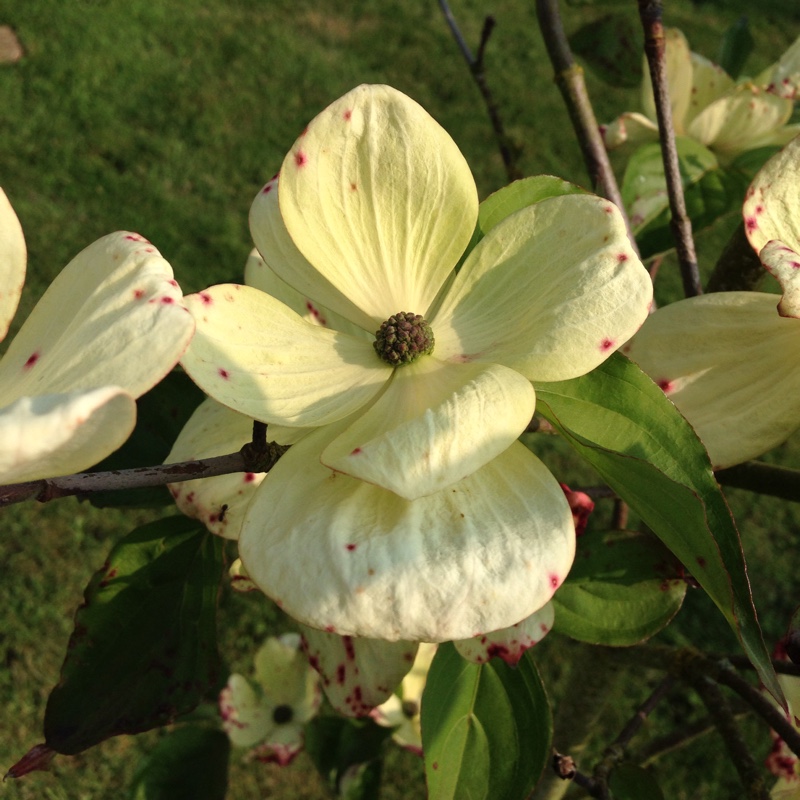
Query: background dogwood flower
[(729, 361), (270, 716), (709, 106), (108, 328), (386, 504)]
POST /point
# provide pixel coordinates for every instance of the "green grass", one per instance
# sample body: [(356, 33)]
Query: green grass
[(166, 118)]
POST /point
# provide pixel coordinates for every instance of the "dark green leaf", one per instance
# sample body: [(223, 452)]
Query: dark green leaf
[(623, 425), (622, 589), (486, 728), (160, 417), (737, 44), (631, 782), (612, 48), (189, 763), (144, 647), (337, 745)]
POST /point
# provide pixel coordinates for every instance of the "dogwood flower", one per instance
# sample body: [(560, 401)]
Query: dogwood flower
[(410, 512), (108, 328), (729, 361), (710, 107), (270, 716)]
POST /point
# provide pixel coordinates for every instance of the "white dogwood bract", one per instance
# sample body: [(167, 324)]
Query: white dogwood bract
[(730, 361), (109, 327), (269, 713), (410, 513), (726, 116)]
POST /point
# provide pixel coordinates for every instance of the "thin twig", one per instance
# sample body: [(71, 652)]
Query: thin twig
[(739, 752), (248, 459), (569, 79), (654, 47), (478, 73), (756, 476)]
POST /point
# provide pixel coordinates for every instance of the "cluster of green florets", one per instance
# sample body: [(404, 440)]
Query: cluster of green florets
[(403, 338)]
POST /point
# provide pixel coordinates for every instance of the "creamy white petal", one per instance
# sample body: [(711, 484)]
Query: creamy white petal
[(255, 355), (551, 291), (630, 127), (772, 206), (357, 673), (729, 363), (112, 317), (341, 554), (509, 643), (246, 718), (309, 294), (13, 257), (709, 82), (218, 502), (51, 435), (435, 424), (377, 196), (784, 265)]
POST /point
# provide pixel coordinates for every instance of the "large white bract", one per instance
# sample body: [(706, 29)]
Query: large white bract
[(410, 512), (730, 361), (109, 327)]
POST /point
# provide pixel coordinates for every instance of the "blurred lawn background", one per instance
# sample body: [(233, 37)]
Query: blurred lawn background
[(166, 118)]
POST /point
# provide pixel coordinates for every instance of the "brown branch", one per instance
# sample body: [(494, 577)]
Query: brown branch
[(251, 458), (569, 79), (756, 476), (478, 73), (681, 225)]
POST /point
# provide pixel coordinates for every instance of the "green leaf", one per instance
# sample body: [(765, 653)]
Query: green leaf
[(631, 782), (622, 589), (160, 417), (612, 48), (189, 763), (144, 647), (737, 44), (486, 728), (338, 745), (624, 426)]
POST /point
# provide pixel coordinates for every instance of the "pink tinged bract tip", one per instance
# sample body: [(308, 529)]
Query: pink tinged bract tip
[(32, 359), (223, 373), (206, 298), (300, 158), (665, 386), (136, 237), (555, 581)]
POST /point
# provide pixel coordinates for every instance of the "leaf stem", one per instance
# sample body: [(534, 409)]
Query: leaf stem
[(756, 476)]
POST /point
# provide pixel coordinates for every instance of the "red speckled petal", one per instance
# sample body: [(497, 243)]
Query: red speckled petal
[(509, 643), (52, 435), (357, 673), (377, 196), (551, 292), (257, 356), (13, 257), (475, 557), (729, 363), (112, 317), (435, 424), (772, 207)]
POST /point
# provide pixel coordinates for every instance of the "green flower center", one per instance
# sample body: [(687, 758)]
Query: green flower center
[(282, 714), (403, 338)]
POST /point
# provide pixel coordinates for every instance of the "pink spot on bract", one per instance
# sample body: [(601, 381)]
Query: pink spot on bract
[(268, 188), (167, 301), (223, 373), (544, 628), (353, 187), (356, 451), (795, 264), (759, 209), (151, 250), (190, 497), (351, 547), (622, 257), (330, 629), (136, 237), (340, 674), (701, 562), (138, 294), (555, 581), (32, 359), (206, 298), (606, 344), (751, 223), (349, 647), (608, 209), (300, 158), (665, 386), (347, 114), (172, 282), (249, 477), (315, 312)]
